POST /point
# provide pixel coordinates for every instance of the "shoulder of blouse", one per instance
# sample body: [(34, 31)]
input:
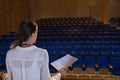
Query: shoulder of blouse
[(42, 52)]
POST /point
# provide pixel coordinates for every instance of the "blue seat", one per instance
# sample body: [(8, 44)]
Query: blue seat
[(80, 43), (106, 51), (4, 43), (59, 49), (51, 49), (72, 43), (102, 62), (115, 43), (97, 43), (114, 37), (115, 61), (76, 38), (1, 60), (91, 37), (49, 43), (106, 37), (57, 43), (106, 43), (78, 63), (68, 49), (99, 37), (83, 37), (77, 49), (115, 65), (89, 61), (116, 71), (69, 38), (116, 51), (64, 43), (85, 51), (40, 44), (95, 51), (89, 43)]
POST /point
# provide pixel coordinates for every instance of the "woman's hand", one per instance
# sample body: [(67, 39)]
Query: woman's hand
[(62, 71)]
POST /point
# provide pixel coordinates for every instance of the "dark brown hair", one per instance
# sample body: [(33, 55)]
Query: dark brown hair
[(25, 30)]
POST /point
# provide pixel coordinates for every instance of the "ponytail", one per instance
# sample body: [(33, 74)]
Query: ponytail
[(14, 44), (24, 31)]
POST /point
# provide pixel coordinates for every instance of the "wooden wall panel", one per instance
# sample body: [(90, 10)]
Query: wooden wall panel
[(14, 11), (54, 8), (83, 7), (1, 16), (60, 8), (113, 8), (70, 8), (11, 13), (35, 9)]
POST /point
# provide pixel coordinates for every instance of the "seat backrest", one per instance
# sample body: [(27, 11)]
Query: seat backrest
[(90, 70), (71, 77), (109, 78), (103, 71), (115, 61), (78, 63), (89, 61), (83, 77), (96, 78), (77, 70), (102, 62)]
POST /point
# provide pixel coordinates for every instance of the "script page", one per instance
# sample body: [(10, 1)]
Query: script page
[(64, 62)]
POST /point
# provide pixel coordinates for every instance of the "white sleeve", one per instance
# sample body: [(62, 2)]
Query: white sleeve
[(45, 73), (10, 77)]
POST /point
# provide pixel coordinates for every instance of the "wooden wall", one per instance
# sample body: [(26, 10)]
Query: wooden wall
[(113, 8), (11, 13), (14, 11), (68, 8), (60, 8)]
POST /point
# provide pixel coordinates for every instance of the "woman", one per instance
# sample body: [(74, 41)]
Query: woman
[(24, 60)]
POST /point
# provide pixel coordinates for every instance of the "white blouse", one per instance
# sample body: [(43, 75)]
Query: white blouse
[(30, 63)]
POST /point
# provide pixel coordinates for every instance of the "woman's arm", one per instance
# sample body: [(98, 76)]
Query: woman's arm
[(10, 77), (45, 73)]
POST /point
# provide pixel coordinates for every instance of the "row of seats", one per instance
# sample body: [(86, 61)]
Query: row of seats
[(95, 63), (3, 76), (102, 28), (71, 37), (97, 26), (115, 21), (71, 21), (88, 77), (89, 41)]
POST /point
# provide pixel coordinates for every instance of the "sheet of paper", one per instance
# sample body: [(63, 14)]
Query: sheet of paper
[(64, 62)]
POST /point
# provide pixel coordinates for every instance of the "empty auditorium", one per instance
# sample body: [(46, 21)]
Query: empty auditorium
[(59, 39)]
